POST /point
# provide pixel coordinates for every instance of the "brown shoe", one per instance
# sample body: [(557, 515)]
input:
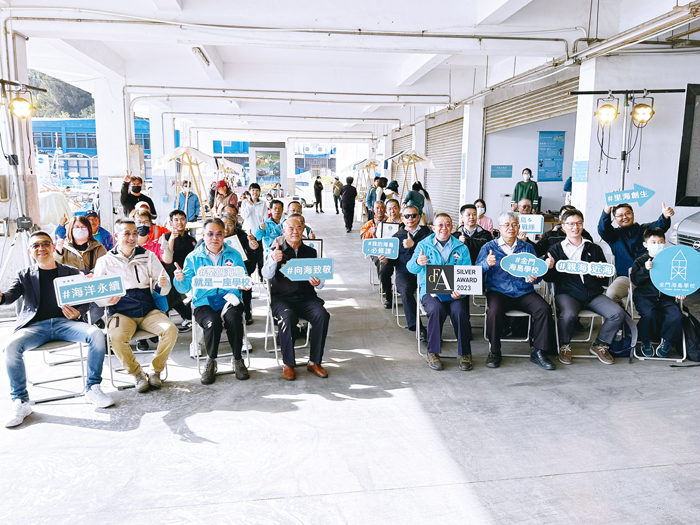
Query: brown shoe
[(316, 369), (565, 354), (601, 352), (288, 373)]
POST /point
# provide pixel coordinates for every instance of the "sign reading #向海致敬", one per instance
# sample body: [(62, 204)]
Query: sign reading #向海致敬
[(389, 248), (445, 279), (305, 269), (227, 277), (585, 268), (676, 271), (532, 223), (78, 289), (524, 265)]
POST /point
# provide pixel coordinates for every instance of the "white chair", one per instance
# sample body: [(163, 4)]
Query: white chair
[(270, 324), (420, 310), (512, 314), (395, 306), (54, 346), (583, 314), (197, 346)]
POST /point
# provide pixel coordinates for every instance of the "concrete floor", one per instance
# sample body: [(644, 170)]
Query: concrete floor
[(383, 440)]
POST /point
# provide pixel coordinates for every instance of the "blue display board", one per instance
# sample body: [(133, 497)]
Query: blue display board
[(228, 277), (304, 269), (501, 171), (676, 271), (389, 248), (550, 156), (638, 194), (78, 289), (524, 265), (585, 268), (579, 171)]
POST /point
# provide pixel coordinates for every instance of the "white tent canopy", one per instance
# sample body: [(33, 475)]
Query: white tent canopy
[(191, 155)]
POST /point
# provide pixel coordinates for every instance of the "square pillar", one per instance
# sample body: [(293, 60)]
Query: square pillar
[(471, 178)]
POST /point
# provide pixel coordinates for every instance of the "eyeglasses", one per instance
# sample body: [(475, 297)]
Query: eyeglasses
[(218, 235), (509, 226), (621, 215), (443, 226), (38, 245), (410, 216), (574, 224)]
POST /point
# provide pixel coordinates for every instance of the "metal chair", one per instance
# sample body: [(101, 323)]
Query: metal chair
[(270, 323), (586, 314), (197, 345), (512, 314), (53, 346), (395, 302), (420, 310)]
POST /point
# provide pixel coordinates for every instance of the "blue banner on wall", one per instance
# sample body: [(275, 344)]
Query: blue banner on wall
[(550, 156), (501, 171)]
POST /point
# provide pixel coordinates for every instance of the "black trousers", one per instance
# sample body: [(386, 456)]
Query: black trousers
[(437, 311), (349, 216), (175, 299), (384, 272), (211, 323), (660, 313), (542, 322), (256, 260), (288, 314), (319, 201), (406, 284), (248, 294)]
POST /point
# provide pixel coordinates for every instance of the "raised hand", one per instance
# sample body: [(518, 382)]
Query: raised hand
[(522, 235), (491, 259), (422, 259), (162, 279), (128, 177), (463, 239), (253, 244), (63, 221), (251, 237), (649, 264), (59, 245), (262, 225), (550, 261), (666, 211), (408, 242), (276, 252), (178, 273)]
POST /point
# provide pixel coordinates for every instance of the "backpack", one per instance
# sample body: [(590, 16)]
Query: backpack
[(625, 346), (691, 331)]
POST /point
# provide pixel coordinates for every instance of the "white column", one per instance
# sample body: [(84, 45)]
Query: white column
[(112, 148), (471, 180), (287, 186)]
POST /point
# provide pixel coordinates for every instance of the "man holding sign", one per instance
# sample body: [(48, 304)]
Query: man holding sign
[(42, 320), (507, 292), (215, 308), (294, 299), (575, 292), (143, 276), (441, 248)]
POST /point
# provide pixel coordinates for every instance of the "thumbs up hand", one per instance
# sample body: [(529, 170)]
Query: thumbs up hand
[(666, 211), (179, 274), (162, 279), (550, 261), (59, 245), (491, 259), (422, 259), (408, 242), (276, 252)]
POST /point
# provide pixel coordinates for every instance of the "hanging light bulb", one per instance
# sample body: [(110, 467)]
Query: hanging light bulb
[(606, 114), (21, 107), (642, 113)]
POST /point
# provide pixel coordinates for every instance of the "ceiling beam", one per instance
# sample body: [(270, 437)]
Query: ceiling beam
[(494, 12), (213, 66), (168, 5), (96, 56), (417, 66)]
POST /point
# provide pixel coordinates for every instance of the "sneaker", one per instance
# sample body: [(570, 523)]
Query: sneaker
[(647, 350), (664, 348), (97, 397), (154, 380), (209, 374), (142, 345), (601, 352), (565, 354), (185, 326), (240, 370), (20, 409), (433, 361), (141, 381), (465, 363)]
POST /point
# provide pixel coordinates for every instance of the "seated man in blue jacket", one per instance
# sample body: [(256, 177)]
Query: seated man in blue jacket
[(406, 282), (218, 308), (271, 228), (440, 248), (42, 320), (627, 242), (574, 293), (506, 292)]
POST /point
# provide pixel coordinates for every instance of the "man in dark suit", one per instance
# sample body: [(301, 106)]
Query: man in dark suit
[(294, 299), (347, 196), (42, 320)]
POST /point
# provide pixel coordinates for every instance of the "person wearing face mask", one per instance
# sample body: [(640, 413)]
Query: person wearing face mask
[(655, 308), (525, 189), (627, 242), (79, 249), (481, 218), (188, 202), (131, 194), (151, 237)]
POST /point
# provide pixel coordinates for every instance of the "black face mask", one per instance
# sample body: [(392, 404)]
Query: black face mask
[(136, 189), (144, 230)]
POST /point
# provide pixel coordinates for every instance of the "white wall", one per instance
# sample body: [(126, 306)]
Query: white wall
[(519, 148)]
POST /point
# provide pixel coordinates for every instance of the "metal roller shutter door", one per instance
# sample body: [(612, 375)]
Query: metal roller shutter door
[(397, 172), (445, 150), (552, 101)]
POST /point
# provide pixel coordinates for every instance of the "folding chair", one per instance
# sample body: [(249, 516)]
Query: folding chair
[(270, 323), (585, 314), (53, 346), (512, 314), (420, 310), (199, 350), (479, 305), (395, 302)]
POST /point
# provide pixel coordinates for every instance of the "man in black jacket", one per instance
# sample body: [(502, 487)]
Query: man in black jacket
[(131, 195), (294, 299), (470, 233), (556, 234), (407, 282), (574, 292), (42, 320), (348, 194)]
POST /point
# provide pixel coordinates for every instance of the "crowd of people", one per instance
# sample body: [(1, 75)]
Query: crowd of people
[(158, 263)]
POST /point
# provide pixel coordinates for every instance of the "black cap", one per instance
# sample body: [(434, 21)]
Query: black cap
[(91, 214)]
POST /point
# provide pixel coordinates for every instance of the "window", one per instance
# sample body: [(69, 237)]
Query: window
[(37, 139), (70, 141), (46, 141), (91, 140), (81, 140), (144, 140)]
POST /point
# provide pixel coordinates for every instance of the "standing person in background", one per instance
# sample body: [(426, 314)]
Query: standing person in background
[(348, 195), (131, 194), (428, 212), (188, 203), (415, 198), (383, 181), (337, 186), (371, 198), (525, 189), (392, 191), (482, 220), (254, 212), (224, 197), (318, 194)]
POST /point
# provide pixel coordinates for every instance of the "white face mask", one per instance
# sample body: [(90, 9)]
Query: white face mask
[(480, 211), (80, 235), (654, 249), (526, 177)]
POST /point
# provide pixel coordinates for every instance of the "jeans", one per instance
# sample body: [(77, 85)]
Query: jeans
[(56, 329), (337, 201), (660, 312)]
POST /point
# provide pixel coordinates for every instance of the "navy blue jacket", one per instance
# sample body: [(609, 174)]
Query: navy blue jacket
[(405, 254)]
